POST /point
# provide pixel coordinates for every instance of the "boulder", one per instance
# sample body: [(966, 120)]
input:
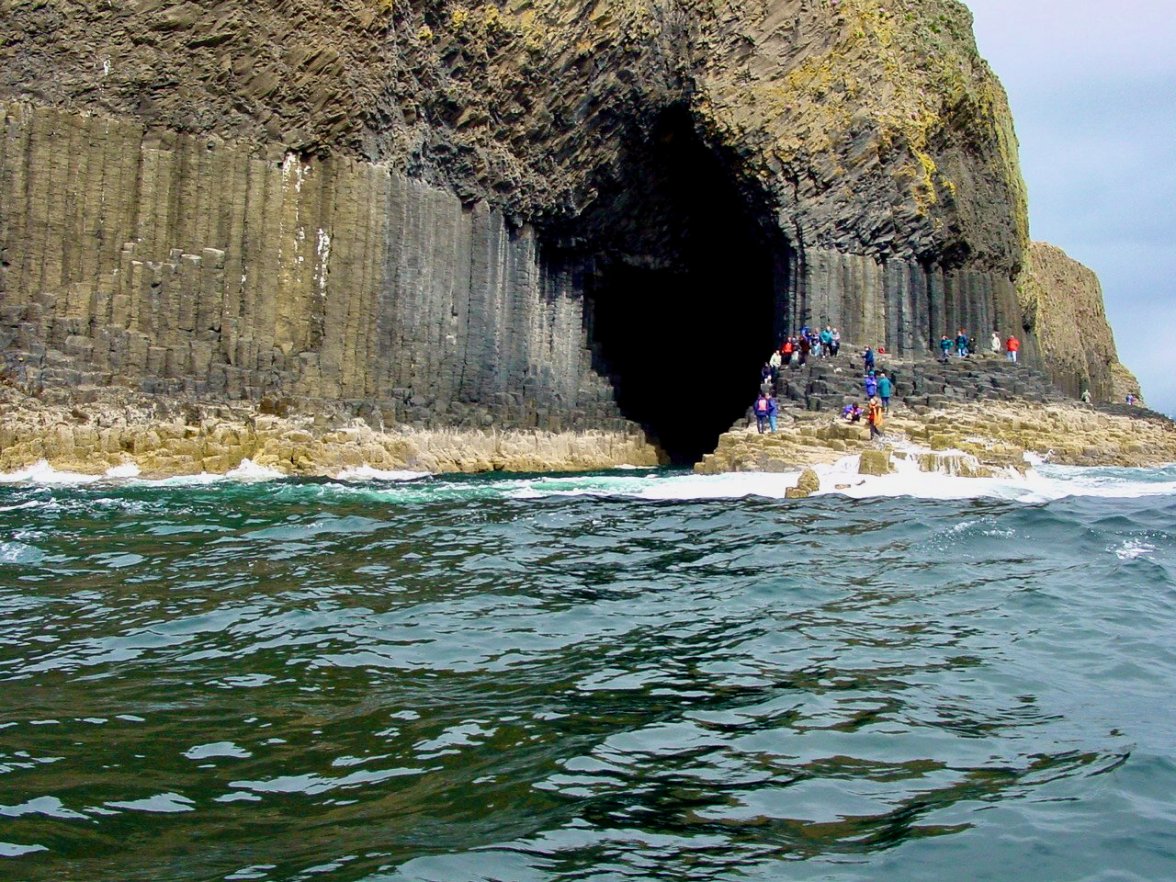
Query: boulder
[(875, 462), (808, 482)]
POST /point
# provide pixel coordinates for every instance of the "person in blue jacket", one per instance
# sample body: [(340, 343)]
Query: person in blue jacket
[(871, 385), (765, 412), (885, 388), (827, 342), (962, 343), (868, 359), (945, 348)]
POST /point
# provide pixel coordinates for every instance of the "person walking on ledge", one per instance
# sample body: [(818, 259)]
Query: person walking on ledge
[(1012, 347), (874, 418), (961, 342), (885, 387)]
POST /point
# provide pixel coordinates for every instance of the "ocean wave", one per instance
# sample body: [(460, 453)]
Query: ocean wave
[(368, 473), (1041, 483)]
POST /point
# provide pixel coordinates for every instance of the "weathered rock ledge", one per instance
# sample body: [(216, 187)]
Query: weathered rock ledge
[(982, 438), (128, 429)]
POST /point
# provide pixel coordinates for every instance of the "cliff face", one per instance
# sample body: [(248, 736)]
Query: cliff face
[(870, 126), (527, 214), (1063, 303)]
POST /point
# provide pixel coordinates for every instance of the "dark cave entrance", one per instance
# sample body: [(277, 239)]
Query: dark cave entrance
[(682, 304)]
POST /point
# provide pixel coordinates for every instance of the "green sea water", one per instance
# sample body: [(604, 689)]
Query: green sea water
[(630, 675)]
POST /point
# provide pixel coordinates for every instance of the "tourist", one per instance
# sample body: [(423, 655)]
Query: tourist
[(874, 418), (852, 413), (1130, 398), (765, 412), (787, 349), (774, 363), (1085, 396), (885, 387), (961, 342), (994, 343), (868, 359), (805, 346), (835, 345), (870, 383), (945, 348), (1012, 347), (826, 341)]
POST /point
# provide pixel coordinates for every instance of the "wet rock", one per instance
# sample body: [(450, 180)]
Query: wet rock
[(875, 462), (808, 482)]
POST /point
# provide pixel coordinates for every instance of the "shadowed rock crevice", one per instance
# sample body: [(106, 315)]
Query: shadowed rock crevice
[(681, 293)]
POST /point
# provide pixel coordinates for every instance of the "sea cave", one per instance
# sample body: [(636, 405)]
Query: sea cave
[(681, 290)]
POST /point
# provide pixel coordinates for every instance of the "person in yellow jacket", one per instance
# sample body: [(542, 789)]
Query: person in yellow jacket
[(874, 417)]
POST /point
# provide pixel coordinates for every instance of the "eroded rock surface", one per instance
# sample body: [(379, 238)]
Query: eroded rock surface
[(1063, 301)]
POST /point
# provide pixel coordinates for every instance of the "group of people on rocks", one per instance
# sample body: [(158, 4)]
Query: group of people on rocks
[(797, 348), (875, 415), (878, 387), (794, 348), (810, 342), (965, 346)]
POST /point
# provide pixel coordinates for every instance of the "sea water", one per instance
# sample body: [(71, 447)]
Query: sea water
[(616, 676)]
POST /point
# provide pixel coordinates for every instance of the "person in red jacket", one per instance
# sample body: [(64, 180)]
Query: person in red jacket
[(1012, 347)]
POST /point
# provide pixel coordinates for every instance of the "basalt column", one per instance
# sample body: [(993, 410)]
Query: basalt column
[(903, 305), (190, 268)]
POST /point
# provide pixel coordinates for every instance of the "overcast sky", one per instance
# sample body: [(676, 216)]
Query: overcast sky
[(1093, 89)]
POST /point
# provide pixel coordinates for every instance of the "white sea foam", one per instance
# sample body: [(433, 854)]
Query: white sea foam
[(127, 470), (368, 473), (1130, 549), (1041, 483), (197, 480), (248, 470), (41, 472)]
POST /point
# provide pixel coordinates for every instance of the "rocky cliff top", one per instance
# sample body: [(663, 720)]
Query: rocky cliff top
[(858, 125)]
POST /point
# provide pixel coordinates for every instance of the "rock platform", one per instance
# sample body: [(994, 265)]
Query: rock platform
[(969, 417), (168, 438)]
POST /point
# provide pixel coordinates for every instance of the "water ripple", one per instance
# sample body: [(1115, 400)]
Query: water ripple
[(349, 681)]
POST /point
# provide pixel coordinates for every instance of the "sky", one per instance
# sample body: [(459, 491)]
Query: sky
[(1092, 85)]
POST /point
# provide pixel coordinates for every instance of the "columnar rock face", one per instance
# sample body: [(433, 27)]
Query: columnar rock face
[(334, 280), (512, 214), (1063, 303)]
